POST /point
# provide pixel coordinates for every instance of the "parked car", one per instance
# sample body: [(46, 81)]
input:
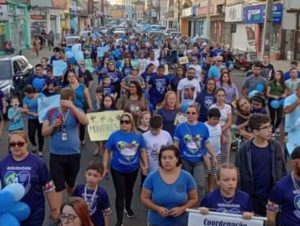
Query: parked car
[(15, 71)]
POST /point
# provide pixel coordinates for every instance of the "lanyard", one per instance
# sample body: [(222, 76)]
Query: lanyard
[(89, 203)]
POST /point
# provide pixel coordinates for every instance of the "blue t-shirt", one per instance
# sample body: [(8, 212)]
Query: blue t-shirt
[(32, 105), (261, 160), (33, 174), (205, 100), (241, 202), (100, 206), (146, 76), (125, 149), (159, 87), (287, 75), (168, 119), (57, 145), (191, 139), (16, 119), (79, 99), (169, 196), (287, 197), (109, 90)]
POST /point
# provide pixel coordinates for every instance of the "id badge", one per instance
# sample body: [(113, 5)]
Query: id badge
[(64, 136)]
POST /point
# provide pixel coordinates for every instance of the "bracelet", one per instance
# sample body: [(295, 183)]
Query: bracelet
[(272, 207)]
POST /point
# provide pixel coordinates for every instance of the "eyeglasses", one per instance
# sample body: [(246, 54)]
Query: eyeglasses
[(191, 113), (19, 144), (125, 121), (70, 218)]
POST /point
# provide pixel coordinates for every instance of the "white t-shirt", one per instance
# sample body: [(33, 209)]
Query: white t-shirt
[(153, 145), (224, 112), (189, 89), (214, 139)]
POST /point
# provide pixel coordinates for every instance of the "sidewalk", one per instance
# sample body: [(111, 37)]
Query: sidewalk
[(33, 59)]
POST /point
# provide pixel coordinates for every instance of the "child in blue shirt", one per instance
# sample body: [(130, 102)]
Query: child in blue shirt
[(15, 115), (226, 198), (94, 195)]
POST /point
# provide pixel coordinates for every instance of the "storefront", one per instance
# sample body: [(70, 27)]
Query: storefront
[(253, 18), (186, 24)]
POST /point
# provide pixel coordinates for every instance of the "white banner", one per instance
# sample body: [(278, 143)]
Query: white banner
[(221, 219)]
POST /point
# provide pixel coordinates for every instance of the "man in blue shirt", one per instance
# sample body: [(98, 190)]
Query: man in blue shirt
[(39, 81), (285, 196), (62, 127)]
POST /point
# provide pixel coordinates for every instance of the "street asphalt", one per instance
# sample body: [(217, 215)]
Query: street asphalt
[(88, 149)]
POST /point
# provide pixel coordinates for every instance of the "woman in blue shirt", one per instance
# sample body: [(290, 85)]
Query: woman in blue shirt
[(126, 149), (169, 191)]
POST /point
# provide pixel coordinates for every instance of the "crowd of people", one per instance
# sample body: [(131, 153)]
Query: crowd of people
[(177, 130)]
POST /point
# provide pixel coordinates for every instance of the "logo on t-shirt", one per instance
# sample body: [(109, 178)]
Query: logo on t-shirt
[(193, 143), (128, 150), (297, 206), (21, 177), (188, 92)]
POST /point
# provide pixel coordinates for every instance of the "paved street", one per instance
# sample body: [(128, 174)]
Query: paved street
[(88, 149)]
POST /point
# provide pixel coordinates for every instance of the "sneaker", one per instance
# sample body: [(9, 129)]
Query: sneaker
[(33, 150), (82, 142), (40, 154), (277, 132), (129, 213), (119, 223)]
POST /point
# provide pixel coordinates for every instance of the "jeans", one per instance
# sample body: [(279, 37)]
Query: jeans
[(124, 184)]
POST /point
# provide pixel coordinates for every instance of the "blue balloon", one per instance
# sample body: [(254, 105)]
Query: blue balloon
[(68, 49), (16, 189), (20, 210), (71, 60), (69, 54), (260, 87), (185, 105), (252, 93), (281, 102), (275, 104), (6, 200), (7, 219)]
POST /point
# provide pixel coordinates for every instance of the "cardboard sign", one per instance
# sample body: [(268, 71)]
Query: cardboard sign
[(102, 124), (89, 65), (47, 103), (183, 60), (59, 67), (216, 218)]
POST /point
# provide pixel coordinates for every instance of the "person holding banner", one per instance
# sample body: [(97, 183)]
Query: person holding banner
[(62, 128), (227, 198), (285, 196), (126, 150), (169, 191), (260, 161)]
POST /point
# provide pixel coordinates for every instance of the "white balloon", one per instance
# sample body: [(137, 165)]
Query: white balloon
[(16, 189)]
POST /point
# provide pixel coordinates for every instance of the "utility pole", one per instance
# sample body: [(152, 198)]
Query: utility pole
[(266, 45), (208, 18)]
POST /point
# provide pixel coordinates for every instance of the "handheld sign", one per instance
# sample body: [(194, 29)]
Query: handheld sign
[(47, 103), (102, 124), (89, 65), (59, 67), (215, 218), (102, 50), (183, 60)]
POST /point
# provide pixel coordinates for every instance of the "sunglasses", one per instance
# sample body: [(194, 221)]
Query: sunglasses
[(19, 144), (191, 113), (125, 121)]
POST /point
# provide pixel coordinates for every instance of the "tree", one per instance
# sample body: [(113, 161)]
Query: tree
[(187, 4)]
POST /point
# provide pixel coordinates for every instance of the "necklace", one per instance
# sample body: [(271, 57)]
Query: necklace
[(296, 186), (89, 203), (225, 201)]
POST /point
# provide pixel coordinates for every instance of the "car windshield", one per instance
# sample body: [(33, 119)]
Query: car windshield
[(6, 70)]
